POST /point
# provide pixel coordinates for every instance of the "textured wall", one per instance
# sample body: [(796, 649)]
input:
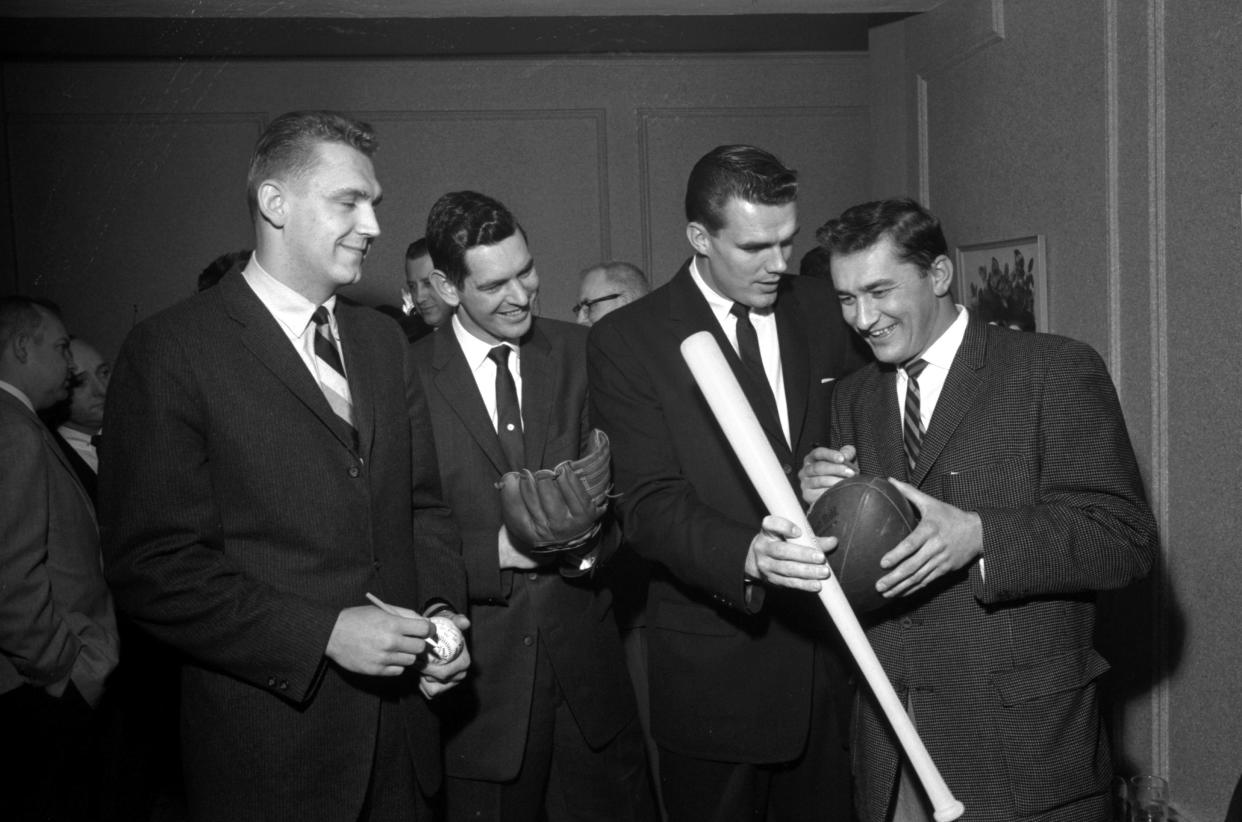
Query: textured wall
[(128, 178), (1112, 128)]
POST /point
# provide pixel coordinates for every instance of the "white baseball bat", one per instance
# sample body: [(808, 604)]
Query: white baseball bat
[(735, 416)]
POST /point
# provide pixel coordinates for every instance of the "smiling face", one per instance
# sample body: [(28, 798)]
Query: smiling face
[(898, 309), (422, 290), (745, 259), (326, 220), (91, 373), (494, 301)]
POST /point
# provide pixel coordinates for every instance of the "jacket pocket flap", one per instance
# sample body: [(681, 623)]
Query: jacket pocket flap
[(1065, 672)]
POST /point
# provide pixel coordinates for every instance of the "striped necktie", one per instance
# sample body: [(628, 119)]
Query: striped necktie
[(329, 369), (912, 424)]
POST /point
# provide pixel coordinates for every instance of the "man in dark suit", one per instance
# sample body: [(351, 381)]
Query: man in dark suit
[(269, 464), (58, 635), (1012, 447), (547, 724), (746, 681)]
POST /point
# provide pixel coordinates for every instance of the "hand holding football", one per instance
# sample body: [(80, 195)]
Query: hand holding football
[(868, 516)]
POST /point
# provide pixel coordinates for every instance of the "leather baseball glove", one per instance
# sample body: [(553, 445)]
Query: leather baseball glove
[(559, 508)]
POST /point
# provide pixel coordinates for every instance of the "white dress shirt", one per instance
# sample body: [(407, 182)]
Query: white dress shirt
[(765, 329)]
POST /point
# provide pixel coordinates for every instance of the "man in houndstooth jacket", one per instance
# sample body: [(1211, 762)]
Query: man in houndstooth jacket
[(1030, 501)]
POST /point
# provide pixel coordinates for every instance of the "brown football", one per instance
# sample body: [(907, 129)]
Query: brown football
[(868, 516)]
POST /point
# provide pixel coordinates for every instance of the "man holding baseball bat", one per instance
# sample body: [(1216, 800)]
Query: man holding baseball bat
[(747, 684), (1012, 448)]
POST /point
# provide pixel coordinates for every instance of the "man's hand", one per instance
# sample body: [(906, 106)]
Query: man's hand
[(787, 564), (946, 539), (824, 468), (437, 677), (509, 554), (367, 640)]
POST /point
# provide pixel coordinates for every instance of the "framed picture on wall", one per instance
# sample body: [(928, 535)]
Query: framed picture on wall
[(1005, 282)]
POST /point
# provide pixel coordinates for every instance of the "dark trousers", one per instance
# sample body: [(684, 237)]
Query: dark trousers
[(55, 763), (816, 785), (562, 777)]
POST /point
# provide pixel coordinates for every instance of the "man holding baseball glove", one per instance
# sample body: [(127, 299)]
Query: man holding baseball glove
[(548, 724)]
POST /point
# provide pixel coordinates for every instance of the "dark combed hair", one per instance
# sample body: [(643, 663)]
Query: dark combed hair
[(460, 221), (286, 149), (736, 171), (915, 231), (416, 249)]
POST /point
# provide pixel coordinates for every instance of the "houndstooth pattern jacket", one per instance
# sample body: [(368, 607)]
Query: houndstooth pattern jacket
[(996, 660)]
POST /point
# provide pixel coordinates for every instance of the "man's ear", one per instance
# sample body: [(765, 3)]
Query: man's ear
[(272, 203), (447, 291), (941, 272), (699, 237), (19, 346)]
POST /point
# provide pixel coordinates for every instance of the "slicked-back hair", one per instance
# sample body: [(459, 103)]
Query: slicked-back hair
[(460, 221), (23, 315), (915, 231), (416, 249), (286, 149), (736, 171)]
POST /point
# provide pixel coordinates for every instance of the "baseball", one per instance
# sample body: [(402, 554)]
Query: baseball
[(446, 645)]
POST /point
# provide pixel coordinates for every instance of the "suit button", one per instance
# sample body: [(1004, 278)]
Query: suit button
[(271, 682), (528, 640), (786, 469), (907, 623), (532, 576), (284, 686), (353, 471)]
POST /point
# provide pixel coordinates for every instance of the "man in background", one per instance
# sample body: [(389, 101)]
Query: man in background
[(606, 287), (268, 465), (748, 691), (1012, 447), (422, 309), (58, 636), (79, 420), (547, 724)]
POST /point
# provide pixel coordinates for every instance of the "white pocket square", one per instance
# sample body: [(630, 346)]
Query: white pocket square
[(827, 380)]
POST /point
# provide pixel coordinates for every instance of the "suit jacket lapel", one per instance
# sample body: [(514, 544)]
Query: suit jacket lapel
[(539, 370), (360, 369), (262, 335), (455, 382), (795, 364), (690, 310), (960, 387), (888, 420)]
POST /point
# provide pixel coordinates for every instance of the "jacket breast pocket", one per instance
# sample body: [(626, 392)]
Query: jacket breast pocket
[(1050, 731)]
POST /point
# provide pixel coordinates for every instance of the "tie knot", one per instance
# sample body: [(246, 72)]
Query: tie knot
[(914, 368), (742, 312), (320, 317), (500, 356)]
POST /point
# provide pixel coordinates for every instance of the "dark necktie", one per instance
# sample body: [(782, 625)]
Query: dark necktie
[(748, 350), (331, 372), (96, 441), (508, 411), (912, 425)]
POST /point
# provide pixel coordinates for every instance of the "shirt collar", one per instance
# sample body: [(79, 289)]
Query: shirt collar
[(720, 306), (73, 434), (476, 350), (941, 353), (17, 392), (290, 308)]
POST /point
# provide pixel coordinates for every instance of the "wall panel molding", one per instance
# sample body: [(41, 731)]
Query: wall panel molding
[(851, 119), (961, 32), (1158, 276), (597, 117)]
